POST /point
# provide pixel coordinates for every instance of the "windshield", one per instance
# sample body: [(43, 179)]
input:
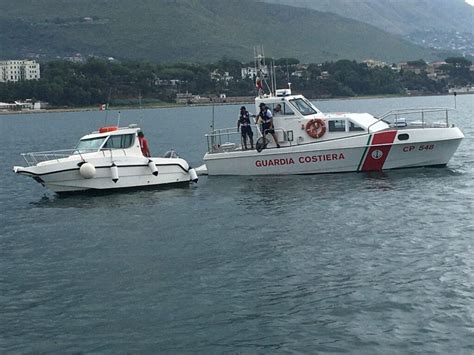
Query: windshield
[(89, 145), (121, 141), (303, 107)]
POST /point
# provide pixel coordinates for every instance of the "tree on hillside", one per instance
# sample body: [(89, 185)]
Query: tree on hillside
[(231, 66), (458, 61), (286, 61), (420, 63)]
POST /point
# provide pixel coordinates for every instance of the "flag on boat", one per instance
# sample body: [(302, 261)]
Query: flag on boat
[(258, 83)]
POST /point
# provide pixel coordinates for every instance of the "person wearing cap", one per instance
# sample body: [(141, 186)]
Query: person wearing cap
[(266, 117), (243, 123), (143, 144)]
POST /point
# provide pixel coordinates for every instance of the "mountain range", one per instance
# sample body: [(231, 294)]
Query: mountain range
[(398, 16), (192, 30)]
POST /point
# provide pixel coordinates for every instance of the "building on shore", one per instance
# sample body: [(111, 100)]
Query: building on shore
[(26, 105), (252, 73), (462, 90), (19, 70), (373, 63)]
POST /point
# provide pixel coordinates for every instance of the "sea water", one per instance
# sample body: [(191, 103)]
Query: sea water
[(358, 262)]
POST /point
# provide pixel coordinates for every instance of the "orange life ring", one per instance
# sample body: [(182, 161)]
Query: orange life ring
[(316, 128), (108, 129)]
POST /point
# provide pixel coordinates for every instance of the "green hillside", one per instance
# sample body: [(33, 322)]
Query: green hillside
[(400, 16), (189, 30)]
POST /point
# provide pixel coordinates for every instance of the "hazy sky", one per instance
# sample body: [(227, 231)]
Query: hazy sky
[(470, 2)]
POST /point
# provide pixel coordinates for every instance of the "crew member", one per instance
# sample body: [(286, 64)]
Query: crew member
[(277, 110), (266, 118), (244, 124), (143, 144)]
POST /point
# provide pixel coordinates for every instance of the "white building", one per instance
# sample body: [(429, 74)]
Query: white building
[(16, 70), (372, 63), (218, 76), (252, 73)]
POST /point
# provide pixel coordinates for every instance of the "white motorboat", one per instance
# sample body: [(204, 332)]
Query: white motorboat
[(110, 158), (314, 142)]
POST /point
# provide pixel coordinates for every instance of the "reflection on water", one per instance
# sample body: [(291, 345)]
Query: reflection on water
[(110, 198)]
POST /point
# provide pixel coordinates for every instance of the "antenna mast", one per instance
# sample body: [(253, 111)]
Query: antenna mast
[(107, 106), (262, 70)]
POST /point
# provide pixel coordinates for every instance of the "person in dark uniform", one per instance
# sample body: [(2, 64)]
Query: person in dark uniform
[(243, 123), (266, 117)]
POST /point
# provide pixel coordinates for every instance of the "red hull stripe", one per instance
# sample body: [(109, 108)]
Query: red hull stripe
[(378, 151)]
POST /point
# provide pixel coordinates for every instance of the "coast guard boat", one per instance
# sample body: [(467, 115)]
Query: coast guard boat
[(110, 158), (307, 141), (311, 141)]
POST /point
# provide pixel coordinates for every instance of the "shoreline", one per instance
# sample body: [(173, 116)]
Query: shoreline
[(175, 105)]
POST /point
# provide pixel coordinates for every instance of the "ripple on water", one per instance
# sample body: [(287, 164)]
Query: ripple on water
[(365, 263)]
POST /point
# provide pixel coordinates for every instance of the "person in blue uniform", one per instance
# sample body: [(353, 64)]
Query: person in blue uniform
[(243, 123), (266, 117)]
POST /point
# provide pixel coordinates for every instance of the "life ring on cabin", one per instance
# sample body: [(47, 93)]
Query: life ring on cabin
[(108, 129), (316, 128)]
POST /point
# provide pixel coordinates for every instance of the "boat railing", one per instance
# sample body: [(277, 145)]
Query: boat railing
[(422, 117), (227, 139), (33, 158)]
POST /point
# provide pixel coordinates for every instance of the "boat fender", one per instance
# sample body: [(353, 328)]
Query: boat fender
[(114, 173), (152, 167), (87, 170), (316, 128), (193, 175)]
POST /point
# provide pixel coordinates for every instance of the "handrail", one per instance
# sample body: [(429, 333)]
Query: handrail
[(214, 137), (410, 111), (33, 158), (220, 131), (405, 111)]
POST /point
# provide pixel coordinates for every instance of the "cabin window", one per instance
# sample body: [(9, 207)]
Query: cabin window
[(285, 109), (337, 125), (403, 137), (119, 141), (355, 127), (303, 107), (89, 145)]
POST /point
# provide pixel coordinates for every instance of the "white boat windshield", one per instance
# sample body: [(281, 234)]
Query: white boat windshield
[(89, 145), (303, 107)]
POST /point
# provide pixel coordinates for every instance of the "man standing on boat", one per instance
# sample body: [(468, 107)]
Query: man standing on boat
[(267, 122), (143, 144), (244, 124)]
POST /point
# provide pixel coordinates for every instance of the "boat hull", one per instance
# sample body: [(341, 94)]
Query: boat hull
[(66, 177), (365, 152)]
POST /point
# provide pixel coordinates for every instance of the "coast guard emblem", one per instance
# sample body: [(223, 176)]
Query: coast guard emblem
[(377, 154)]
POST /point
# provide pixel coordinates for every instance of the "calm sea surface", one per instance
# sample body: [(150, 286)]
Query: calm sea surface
[(358, 263)]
